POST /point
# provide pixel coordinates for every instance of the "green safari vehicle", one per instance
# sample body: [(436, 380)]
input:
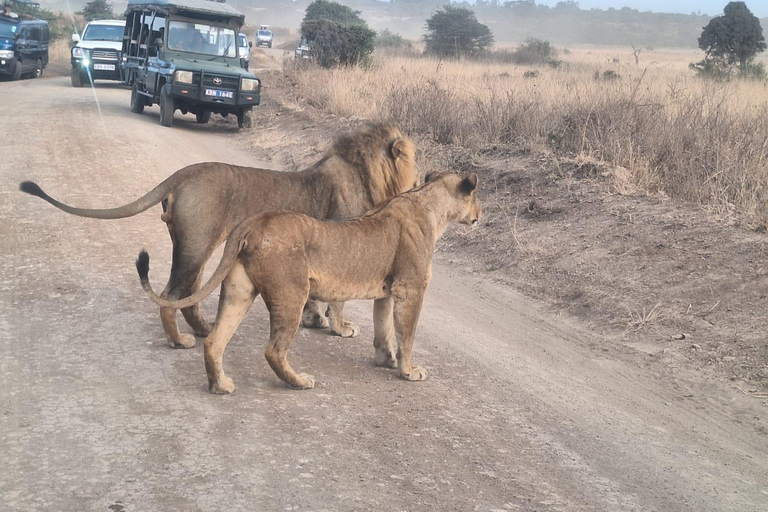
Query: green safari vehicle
[(183, 55)]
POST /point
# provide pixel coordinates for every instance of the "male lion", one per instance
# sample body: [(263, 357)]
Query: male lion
[(202, 203), (289, 258)]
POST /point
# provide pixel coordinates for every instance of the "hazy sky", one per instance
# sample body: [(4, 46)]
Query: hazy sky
[(758, 7)]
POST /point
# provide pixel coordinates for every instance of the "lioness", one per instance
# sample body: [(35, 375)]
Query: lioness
[(289, 258), (202, 203)]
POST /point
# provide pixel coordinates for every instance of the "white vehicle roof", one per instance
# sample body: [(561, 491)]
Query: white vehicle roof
[(114, 23)]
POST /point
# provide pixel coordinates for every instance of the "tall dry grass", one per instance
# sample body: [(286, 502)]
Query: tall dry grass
[(697, 140)]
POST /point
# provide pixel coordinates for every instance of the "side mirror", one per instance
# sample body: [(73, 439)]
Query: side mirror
[(250, 44), (75, 38)]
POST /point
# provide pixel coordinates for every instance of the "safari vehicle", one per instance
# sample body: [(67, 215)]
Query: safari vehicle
[(183, 55), (264, 36), (96, 54), (244, 50), (23, 42)]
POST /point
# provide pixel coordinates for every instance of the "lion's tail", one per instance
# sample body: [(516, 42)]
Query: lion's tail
[(235, 244), (143, 203)]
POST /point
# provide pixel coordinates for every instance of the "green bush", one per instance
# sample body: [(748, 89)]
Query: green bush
[(455, 32), (387, 39), (336, 34)]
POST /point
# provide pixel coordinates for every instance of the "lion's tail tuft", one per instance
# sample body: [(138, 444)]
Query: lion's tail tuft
[(30, 187), (142, 265)]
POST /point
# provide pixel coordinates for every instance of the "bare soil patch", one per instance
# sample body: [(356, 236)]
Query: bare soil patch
[(680, 284)]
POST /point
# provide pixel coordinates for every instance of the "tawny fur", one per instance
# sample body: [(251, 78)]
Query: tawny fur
[(202, 203), (289, 258)]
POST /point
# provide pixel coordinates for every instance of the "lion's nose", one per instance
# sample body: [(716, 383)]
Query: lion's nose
[(474, 221)]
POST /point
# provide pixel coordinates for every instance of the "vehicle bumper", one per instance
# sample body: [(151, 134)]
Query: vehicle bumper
[(7, 66), (194, 98), (98, 69)]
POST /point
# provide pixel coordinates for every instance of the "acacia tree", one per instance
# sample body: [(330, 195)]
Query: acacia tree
[(455, 32), (336, 34), (97, 10), (733, 39)]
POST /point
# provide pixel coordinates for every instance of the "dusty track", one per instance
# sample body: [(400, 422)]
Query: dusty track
[(523, 410)]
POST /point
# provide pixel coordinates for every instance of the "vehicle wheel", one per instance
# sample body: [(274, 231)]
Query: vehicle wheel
[(38, 69), (167, 107), (270, 45), (137, 100), (16, 71), (203, 117), (77, 78), (243, 119)]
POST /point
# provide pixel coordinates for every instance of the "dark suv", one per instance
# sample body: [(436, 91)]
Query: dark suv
[(23, 47), (183, 55)]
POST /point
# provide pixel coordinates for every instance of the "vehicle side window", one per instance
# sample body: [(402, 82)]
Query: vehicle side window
[(46, 33), (35, 33), (24, 33)]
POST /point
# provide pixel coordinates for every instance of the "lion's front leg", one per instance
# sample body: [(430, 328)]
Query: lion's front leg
[(407, 307), (384, 339), (312, 317), (237, 295), (338, 325)]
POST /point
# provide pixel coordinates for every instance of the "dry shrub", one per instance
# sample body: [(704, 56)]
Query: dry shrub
[(673, 133)]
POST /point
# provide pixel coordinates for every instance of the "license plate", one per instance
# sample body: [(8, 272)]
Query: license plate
[(104, 67), (219, 94)]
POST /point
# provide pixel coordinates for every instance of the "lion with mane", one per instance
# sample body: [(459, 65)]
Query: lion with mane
[(203, 202)]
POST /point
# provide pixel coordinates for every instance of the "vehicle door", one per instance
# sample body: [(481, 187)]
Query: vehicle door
[(24, 49), (152, 31)]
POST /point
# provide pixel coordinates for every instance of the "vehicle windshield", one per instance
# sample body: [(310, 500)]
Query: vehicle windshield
[(243, 41), (8, 29), (265, 33), (104, 33), (201, 38)]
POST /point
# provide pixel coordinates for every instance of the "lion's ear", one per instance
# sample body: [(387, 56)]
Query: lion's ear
[(398, 148), (432, 176), (469, 183)]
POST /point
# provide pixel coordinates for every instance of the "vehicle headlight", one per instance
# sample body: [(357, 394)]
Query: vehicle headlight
[(183, 77), (79, 53), (6, 54), (249, 84)]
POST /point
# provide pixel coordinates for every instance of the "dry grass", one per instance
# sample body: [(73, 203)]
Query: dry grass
[(673, 133), (58, 59)]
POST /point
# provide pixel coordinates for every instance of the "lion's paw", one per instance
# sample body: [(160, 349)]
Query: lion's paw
[(417, 373), (348, 330), (203, 331), (304, 381), (385, 358), (223, 387), (313, 320), (185, 341)]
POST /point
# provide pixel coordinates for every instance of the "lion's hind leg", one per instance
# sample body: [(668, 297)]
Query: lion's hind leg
[(237, 295), (192, 314), (284, 318), (384, 340)]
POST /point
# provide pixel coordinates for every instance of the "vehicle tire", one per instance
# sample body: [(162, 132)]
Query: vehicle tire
[(77, 78), (269, 45), (16, 71), (167, 107), (244, 119), (203, 117), (137, 100), (38, 69)]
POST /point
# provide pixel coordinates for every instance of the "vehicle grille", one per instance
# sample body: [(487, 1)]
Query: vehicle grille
[(104, 54), (228, 83)]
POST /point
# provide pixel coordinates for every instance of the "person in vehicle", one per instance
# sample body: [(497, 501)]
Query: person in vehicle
[(7, 12)]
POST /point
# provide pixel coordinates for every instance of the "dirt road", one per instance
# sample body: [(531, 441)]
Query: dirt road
[(523, 410)]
